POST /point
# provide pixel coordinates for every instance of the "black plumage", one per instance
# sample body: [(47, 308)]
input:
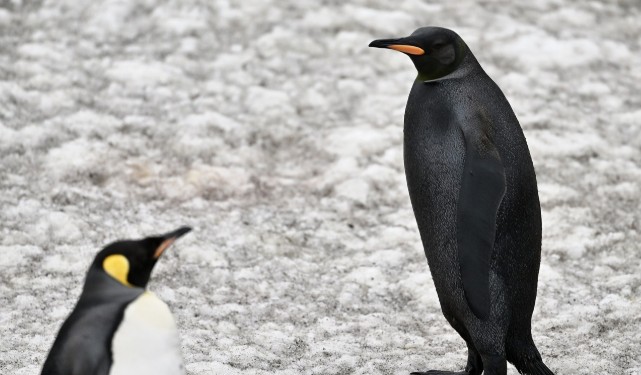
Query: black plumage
[(83, 344), (473, 190)]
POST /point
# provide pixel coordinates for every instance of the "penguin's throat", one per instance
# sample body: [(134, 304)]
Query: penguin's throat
[(436, 74), (422, 77)]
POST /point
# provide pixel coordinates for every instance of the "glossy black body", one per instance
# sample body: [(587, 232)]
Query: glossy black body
[(474, 194)]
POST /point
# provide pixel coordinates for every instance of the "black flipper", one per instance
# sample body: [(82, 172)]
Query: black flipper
[(482, 190), (83, 345)]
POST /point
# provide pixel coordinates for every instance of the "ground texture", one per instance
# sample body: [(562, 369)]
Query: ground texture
[(273, 130)]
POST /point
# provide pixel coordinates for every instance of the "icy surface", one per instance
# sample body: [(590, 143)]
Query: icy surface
[(273, 130)]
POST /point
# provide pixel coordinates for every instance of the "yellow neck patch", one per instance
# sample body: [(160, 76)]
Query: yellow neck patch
[(117, 266)]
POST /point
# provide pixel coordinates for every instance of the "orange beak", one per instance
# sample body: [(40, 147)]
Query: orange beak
[(403, 45), (169, 239), (410, 50)]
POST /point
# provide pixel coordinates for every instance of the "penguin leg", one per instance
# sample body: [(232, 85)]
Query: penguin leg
[(474, 362), (494, 364), (489, 341)]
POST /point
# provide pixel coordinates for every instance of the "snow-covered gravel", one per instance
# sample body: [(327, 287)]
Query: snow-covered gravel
[(273, 130)]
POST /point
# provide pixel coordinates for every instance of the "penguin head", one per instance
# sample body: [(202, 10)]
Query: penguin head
[(130, 262), (435, 51)]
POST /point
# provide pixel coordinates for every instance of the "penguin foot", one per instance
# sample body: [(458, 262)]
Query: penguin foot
[(437, 372)]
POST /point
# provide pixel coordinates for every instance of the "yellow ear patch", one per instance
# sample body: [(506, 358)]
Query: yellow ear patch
[(117, 266), (412, 50)]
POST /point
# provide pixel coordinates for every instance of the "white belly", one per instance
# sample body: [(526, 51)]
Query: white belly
[(146, 342)]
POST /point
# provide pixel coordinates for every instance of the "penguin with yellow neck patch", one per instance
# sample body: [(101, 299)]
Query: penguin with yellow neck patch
[(118, 327)]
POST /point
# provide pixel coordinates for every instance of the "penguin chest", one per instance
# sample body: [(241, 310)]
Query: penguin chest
[(434, 156), (146, 341), (433, 148)]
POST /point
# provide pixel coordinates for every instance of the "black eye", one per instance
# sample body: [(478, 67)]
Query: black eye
[(438, 45)]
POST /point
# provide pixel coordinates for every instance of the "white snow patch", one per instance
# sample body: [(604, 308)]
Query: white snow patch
[(421, 287), (387, 258), (355, 141), (555, 193), (541, 50), (14, 256), (76, 157), (87, 123), (356, 189), (593, 88), (5, 17), (370, 276), (142, 74), (566, 144), (267, 102), (387, 22), (205, 177), (206, 368)]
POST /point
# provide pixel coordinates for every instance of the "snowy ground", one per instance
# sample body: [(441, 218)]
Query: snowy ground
[(275, 132)]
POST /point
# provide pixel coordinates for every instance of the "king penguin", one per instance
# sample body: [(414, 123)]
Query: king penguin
[(473, 191), (118, 327)]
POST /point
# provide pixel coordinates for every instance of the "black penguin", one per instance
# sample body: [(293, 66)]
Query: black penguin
[(473, 190), (117, 327)]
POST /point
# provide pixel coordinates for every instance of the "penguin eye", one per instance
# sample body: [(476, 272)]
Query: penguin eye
[(438, 45)]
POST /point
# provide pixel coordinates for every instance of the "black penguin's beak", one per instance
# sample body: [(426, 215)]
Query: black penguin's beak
[(404, 45), (169, 238), (177, 233)]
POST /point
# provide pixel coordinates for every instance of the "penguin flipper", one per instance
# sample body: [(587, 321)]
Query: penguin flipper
[(482, 190), (81, 354)]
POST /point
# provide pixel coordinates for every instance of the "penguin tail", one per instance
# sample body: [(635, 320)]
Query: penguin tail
[(526, 359), (534, 368)]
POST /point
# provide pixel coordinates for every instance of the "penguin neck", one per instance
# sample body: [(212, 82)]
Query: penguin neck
[(468, 65), (422, 77), (98, 284)]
